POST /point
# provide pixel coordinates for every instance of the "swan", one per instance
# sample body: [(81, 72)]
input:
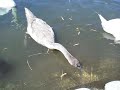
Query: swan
[(7, 3), (111, 26), (6, 6), (82, 89), (113, 85), (43, 34)]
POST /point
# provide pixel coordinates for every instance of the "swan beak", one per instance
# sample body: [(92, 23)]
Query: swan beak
[(79, 66)]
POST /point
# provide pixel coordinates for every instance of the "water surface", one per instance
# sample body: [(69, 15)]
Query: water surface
[(77, 27)]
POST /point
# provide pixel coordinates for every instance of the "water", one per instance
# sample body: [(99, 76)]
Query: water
[(77, 27)]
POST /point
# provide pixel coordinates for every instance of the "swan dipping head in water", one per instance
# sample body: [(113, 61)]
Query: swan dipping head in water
[(111, 26), (43, 34)]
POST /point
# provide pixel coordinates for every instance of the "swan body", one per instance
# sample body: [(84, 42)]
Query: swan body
[(7, 3), (6, 6), (111, 26), (113, 85), (43, 34), (82, 89)]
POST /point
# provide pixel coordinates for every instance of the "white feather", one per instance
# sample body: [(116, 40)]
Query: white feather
[(111, 26)]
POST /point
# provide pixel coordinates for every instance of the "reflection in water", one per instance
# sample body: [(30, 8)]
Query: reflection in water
[(15, 17), (108, 36)]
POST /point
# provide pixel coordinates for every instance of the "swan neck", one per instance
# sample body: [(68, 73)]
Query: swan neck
[(62, 49)]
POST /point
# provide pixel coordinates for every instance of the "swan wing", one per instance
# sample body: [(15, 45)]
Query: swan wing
[(112, 26), (42, 32), (115, 23)]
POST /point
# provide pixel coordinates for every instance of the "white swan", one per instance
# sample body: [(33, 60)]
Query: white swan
[(7, 3), (43, 34), (113, 85), (111, 26), (82, 89), (6, 6)]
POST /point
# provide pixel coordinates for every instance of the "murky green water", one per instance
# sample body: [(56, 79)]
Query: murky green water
[(77, 27)]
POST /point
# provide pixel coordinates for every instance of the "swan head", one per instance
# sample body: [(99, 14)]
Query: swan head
[(73, 61), (77, 64)]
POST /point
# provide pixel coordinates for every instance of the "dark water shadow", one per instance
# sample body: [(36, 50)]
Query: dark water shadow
[(5, 67)]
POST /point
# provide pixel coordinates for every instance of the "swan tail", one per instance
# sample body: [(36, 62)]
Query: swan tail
[(103, 20), (29, 15)]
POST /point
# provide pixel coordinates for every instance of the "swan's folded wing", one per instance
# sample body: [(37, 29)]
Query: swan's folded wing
[(42, 31)]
